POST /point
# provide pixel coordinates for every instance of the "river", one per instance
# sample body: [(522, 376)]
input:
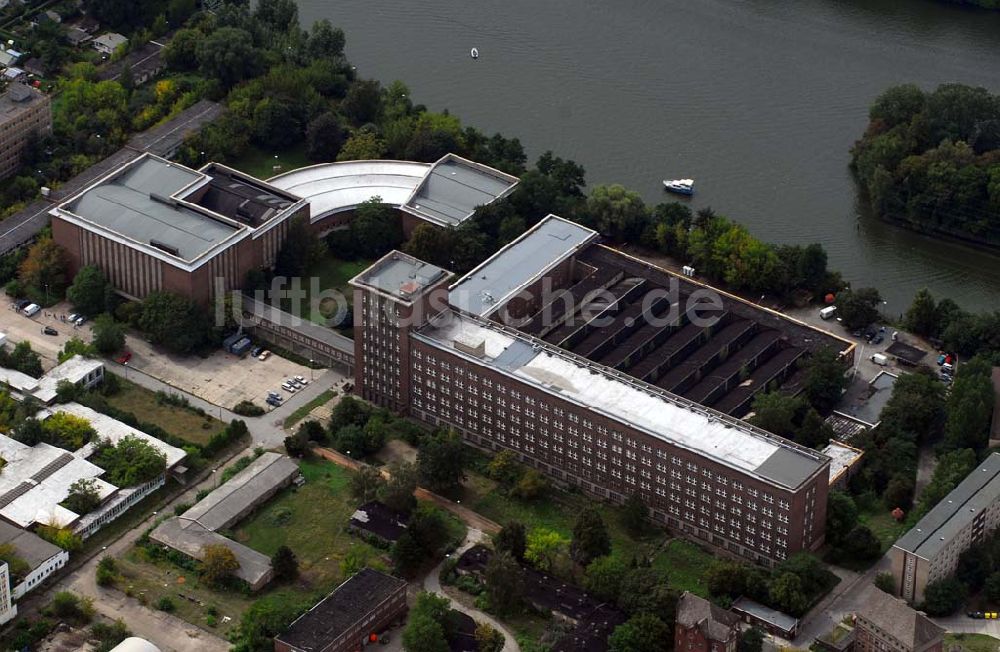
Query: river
[(758, 100)]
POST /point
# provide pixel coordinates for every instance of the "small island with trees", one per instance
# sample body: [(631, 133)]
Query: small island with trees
[(931, 161)]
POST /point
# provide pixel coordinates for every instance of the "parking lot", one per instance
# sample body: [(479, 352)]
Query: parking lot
[(221, 378)]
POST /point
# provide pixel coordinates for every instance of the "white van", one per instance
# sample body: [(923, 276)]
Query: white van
[(31, 309), (828, 312), (880, 359)]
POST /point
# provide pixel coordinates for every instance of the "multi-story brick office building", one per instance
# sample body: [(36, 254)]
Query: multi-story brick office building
[(156, 225), (24, 113), (432, 351), (930, 551), (704, 627), (887, 624)]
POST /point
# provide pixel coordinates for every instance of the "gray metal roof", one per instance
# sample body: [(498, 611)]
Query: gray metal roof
[(453, 189), (767, 614), (938, 527), (486, 288), (400, 275), (191, 538), (29, 546), (136, 205), (220, 509)]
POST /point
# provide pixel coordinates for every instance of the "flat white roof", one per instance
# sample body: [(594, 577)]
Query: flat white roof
[(501, 276), (337, 187), (668, 417), (842, 457), (114, 431), (74, 370)]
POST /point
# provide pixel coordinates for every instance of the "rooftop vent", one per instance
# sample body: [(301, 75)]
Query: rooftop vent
[(162, 246), (470, 346)]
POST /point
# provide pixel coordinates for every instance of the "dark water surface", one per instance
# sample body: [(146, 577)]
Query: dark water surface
[(759, 101)]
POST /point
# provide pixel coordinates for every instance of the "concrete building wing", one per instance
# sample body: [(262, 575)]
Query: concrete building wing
[(234, 499), (488, 287), (190, 538), (454, 188)]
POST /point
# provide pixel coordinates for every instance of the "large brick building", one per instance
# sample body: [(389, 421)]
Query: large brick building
[(440, 353), (887, 624), (704, 627), (156, 225), (24, 113)]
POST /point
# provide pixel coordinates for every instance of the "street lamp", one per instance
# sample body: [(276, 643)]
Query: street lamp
[(312, 376), (125, 364)]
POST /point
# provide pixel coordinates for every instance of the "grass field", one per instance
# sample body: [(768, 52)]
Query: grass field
[(302, 412), (260, 164), (331, 274), (684, 562), (883, 526), (972, 642), (178, 421)]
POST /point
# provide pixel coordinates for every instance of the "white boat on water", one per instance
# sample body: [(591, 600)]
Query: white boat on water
[(474, 53), (679, 186)]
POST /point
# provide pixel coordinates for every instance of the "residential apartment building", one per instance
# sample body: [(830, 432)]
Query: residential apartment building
[(930, 551), (154, 225), (887, 624), (704, 627), (25, 113), (707, 475)]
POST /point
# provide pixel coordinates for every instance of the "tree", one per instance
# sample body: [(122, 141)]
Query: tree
[(825, 379), (174, 321), (952, 468), (441, 461), (751, 640), (787, 594), (218, 563), (130, 462), (646, 590), (277, 123), (604, 578), (89, 291), (17, 566), (349, 411), (504, 468), (109, 335), (407, 554), (325, 41), (228, 56), (858, 308), (616, 212), (324, 137), (363, 101), (861, 543), (590, 537), (545, 548), (488, 638), (992, 587), (22, 358), (943, 597), (67, 430), (397, 493), (296, 446), (84, 496), (366, 483), (634, 513), (181, 53), (530, 486), (107, 571), (512, 539), (69, 606), (376, 228), (285, 564), (726, 578), (970, 406), (504, 583), (641, 633), (297, 251), (922, 316), (899, 492), (841, 516), (363, 145), (44, 269), (425, 631), (75, 346)]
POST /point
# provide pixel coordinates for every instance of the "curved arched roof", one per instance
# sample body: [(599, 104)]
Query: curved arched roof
[(337, 187), (135, 644)]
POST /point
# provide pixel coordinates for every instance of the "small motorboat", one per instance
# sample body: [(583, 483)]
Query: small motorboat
[(679, 186), (474, 53)]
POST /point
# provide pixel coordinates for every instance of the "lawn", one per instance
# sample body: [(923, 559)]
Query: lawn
[(260, 164), (972, 642), (882, 525), (310, 520), (331, 274), (684, 562), (303, 411), (178, 421)]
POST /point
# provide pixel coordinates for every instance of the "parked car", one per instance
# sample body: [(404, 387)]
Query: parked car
[(288, 387), (80, 320), (264, 356), (73, 317), (31, 310), (20, 304), (276, 402), (48, 330), (124, 357), (975, 614), (273, 394), (256, 351), (878, 339), (302, 380), (940, 361)]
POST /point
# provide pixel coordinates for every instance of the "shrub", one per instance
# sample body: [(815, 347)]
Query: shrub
[(248, 409), (166, 604)]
